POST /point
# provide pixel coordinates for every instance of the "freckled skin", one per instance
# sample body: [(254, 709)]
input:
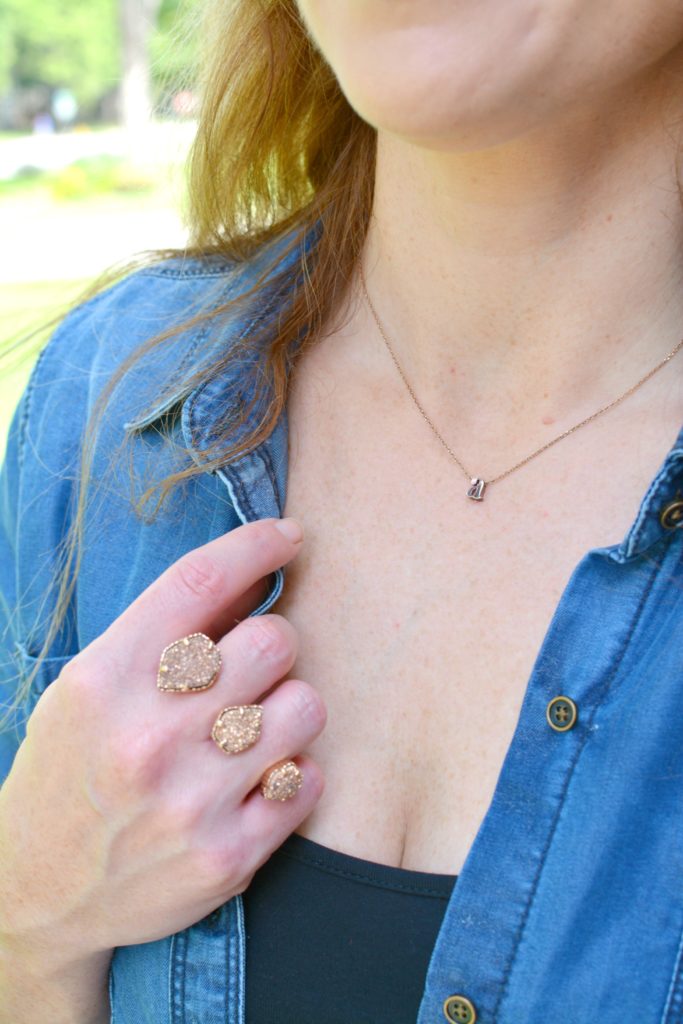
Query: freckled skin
[(502, 170)]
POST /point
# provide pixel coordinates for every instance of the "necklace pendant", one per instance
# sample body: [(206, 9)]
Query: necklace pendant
[(476, 491)]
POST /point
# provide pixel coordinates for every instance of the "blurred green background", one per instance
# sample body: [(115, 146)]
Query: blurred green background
[(96, 118)]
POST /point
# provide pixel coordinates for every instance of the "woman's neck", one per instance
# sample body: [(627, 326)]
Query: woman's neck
[(543, 275)]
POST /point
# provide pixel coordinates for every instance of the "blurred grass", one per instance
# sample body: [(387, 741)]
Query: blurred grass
[(82, 179)]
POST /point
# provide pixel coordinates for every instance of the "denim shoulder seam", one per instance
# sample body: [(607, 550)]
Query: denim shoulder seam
[(71, 320), (179, 273)]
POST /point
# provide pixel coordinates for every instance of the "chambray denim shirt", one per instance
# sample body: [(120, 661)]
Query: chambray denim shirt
[(569, 907)]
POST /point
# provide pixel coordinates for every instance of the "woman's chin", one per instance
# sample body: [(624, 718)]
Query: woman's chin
[(458, 123)]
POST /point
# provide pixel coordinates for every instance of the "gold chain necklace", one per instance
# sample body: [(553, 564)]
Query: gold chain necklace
[(478, 484)]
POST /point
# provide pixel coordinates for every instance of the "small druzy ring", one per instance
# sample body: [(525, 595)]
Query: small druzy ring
[(237, 728), (282, 781)]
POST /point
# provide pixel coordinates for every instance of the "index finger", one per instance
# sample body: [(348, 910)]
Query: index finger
[(197, 590)]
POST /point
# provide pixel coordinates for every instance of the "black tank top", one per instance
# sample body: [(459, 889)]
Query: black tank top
[(333, 939)]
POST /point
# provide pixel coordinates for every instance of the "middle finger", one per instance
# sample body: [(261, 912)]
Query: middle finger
[(255, 654)]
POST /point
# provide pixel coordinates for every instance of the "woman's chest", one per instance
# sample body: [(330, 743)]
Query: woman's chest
[(422, 662), (421, 613)]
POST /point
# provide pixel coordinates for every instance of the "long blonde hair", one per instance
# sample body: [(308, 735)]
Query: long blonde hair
[(278, 151)]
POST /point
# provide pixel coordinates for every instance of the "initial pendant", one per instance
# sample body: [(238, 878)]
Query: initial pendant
[(476, 491)]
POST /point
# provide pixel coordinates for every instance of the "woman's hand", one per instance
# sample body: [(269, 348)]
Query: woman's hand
[(121, 820)]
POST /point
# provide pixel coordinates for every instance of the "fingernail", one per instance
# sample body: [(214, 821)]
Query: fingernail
[(291, 529)]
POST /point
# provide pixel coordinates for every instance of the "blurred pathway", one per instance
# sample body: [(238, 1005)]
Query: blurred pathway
[(48, 241), (164, 143), (45, 239)]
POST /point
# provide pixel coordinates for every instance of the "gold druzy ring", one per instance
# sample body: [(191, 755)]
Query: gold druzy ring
[(189, 664), (282, 781), (237, 728)]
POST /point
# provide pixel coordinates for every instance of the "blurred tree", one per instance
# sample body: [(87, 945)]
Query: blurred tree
[(138, 21), (7, 48), (173, 47), (57, 44), (92, 47)]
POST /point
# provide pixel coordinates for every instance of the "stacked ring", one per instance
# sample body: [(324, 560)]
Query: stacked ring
[(193, 663), (237, 728), (281, 781), (189, 664)]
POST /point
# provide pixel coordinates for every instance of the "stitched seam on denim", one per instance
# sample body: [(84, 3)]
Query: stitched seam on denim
[(112, 996), (243, 495), (358, 876), (22, 428), (188, 272), (193, 399), (240, 957), (223, 473), (270, 469), (674, 999), (507, 973), (176, 979)]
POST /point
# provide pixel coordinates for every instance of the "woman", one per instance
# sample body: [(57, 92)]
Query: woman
[(479, 645)]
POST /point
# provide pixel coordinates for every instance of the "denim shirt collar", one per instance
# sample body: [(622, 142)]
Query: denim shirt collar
[(259, 477)]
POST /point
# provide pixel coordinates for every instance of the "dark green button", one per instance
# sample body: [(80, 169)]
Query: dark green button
[(671, 515), (561, 713), (459, 1010)]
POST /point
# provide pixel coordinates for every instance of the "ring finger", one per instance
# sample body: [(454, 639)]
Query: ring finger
[(293, 716), (257, 653)]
